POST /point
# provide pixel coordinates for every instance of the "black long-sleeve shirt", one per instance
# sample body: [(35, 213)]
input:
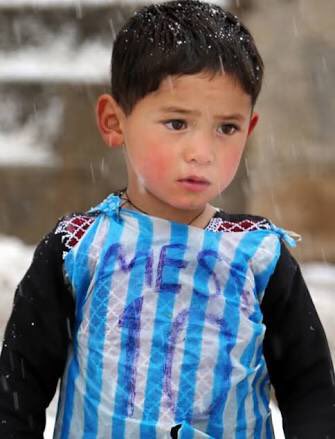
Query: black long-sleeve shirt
[(38, 336)]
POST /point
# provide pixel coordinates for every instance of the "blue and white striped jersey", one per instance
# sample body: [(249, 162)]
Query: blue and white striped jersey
[(168, 330)]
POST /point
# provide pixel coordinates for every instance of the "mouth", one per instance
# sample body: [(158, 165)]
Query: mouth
[(194, 183)]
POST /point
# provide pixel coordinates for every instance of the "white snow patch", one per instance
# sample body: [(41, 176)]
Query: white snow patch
[(15, 258), (276, 421), (30, 143), (59, 60), (320, 279)]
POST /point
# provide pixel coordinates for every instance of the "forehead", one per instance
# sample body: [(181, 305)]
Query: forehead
[(201, 89)]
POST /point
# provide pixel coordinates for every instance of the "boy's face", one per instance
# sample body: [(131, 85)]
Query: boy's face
[(184, 142)]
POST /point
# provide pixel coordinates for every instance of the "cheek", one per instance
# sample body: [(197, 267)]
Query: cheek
[(160, 164), (229, 163), (235, 157), (155, 165)]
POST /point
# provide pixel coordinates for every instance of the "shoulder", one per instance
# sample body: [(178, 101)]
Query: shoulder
[(71, 229), (228, 222)]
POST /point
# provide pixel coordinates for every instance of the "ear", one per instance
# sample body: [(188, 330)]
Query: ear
[(253, 122), (109, 117)]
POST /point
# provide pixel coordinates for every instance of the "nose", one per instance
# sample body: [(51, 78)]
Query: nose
[(199, 150)]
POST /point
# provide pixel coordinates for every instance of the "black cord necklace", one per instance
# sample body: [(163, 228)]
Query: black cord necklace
[(126, 198)]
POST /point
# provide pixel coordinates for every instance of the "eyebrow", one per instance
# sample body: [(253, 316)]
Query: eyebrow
[(185, 111)]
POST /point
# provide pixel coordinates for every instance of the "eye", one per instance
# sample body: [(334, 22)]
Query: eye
[(228, 129), (175, 124)]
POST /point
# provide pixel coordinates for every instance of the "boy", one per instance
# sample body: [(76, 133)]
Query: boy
[(164, 316)]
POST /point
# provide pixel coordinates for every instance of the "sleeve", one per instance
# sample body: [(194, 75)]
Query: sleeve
[(297, 355), (35, 344)]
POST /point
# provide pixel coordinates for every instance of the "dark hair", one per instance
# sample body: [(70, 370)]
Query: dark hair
[(180, 38)]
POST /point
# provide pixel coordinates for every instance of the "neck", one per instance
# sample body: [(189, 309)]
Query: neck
[(198, 218)]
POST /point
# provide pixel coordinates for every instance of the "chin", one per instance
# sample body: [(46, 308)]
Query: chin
[(191, 205), (184, 202)]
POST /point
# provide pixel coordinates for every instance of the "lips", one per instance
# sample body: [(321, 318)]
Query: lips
[(194, 183), (195, 179)]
